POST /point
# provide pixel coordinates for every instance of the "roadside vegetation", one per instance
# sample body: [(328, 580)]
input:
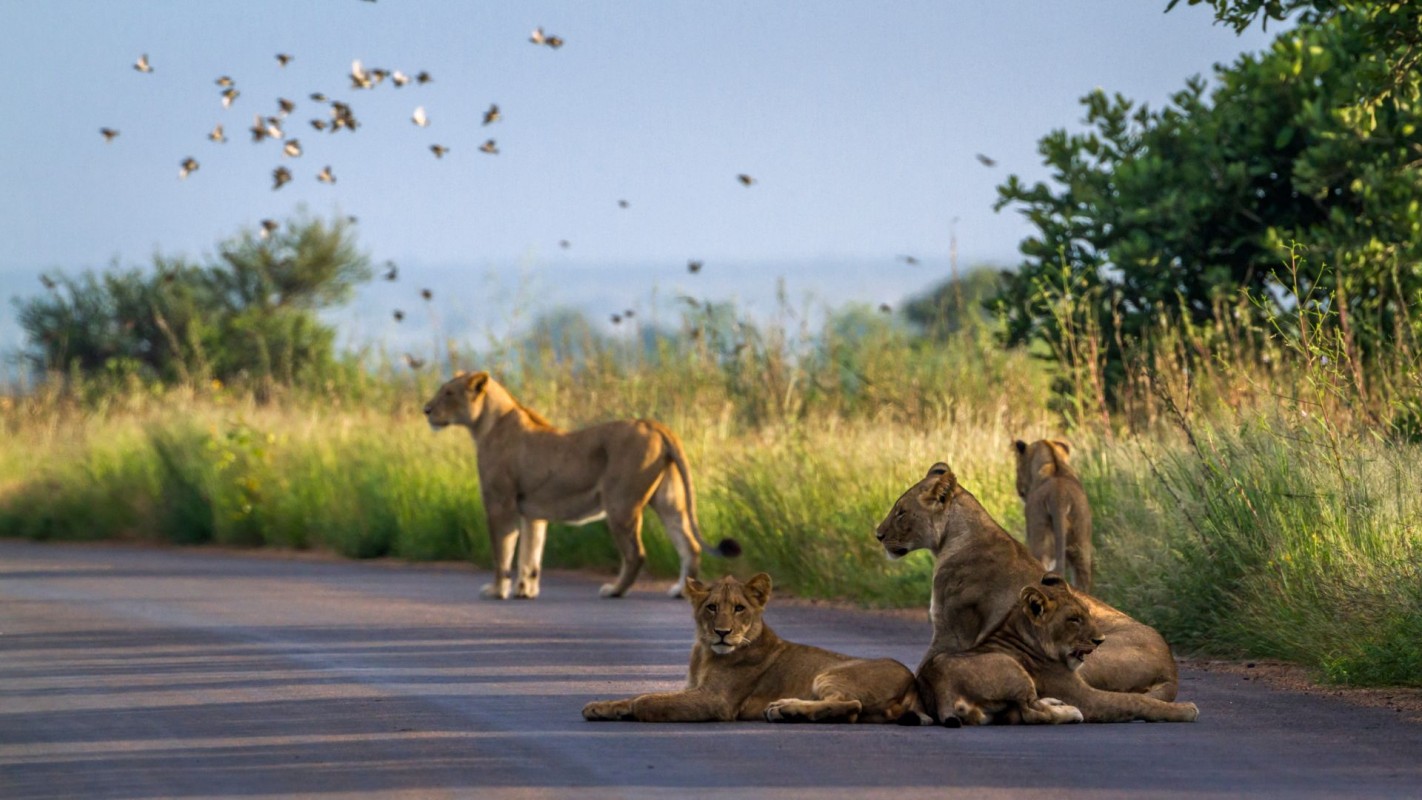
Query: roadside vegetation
[(1235, 360)]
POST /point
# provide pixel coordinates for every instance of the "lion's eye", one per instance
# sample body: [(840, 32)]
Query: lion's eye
[(710, 608), (740, 608), (1075, 620)]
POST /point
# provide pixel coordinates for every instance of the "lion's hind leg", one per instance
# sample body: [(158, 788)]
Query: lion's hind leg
[(670, 503), (532, 534), (793, 710)]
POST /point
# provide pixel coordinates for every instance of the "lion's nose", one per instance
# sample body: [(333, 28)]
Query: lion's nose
[(722, 632), (427, 410), (879, 535)]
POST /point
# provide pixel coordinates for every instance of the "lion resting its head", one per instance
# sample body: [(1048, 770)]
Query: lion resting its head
[(1026, 671), (1058, 516), (740, 669), (978, 575), (531, 473)]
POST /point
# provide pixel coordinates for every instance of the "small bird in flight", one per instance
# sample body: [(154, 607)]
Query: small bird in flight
[(318, 124), (564, 243), (142, 64), (419, 117), (399, 315), (360, 79), (269, 226), (623, 204), (489, 147), (48, 282), (910, 260), (283, 59), (492, 115), (414, 363), (986, 161), (229, 97), (292, 148), (225, 81), (317, 97), (745, 179), (392, 272), (427, 294), (885, 308), (217, 135), (423, 77), (188, 166), (259, 128), (326, 176), (693, 267), (285, 105), (616, 319), (439, 150), (399, 78), (281, 176), (109, 134)]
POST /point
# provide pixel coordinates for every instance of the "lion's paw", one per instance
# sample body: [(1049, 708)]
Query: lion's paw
[(776, 711), (609, 590), (676, 589), (604, 710), (493, 591), (527, 589), (1192, 712)]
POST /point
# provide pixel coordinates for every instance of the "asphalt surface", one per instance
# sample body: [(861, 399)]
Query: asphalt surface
[(141, 672)]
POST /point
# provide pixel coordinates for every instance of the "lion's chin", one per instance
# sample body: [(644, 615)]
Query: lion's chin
[(438, 426), (722, 648), (896, 553)]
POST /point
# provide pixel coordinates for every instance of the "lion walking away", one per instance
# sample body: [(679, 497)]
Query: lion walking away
[(1058, 516), (531, 473)]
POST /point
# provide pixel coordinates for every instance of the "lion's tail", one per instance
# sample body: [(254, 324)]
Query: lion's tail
[(727, 547)]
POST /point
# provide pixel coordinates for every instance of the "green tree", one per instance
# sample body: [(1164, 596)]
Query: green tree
[(1171, 213), (251, 312)]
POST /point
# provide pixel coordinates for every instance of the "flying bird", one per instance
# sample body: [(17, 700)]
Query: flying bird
[(537, 36), (986, 161), (439, 150), (623, 204), (224, 81), (399, 315), (326, 176), (285, 105), (399, 78), (423, 77), (629, 314), (492, 115), (745, 179), (142, 64), (317, 97), (910, 260), (109, 134), (693, 267), (885, 308), (427, 294), (188, 166), (379, 75), (419, 117), (414, 363), (360, 79), (292, 148), (48, 282), (392, 272), (281, 176), (489, 147), (229, 97), (616, 319), (283, 59), (259, 128), (217, 135), (554, 42), (269, 226), (318, 124), (564, 243)]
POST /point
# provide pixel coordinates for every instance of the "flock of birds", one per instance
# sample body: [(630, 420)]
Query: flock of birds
[(340, 116)]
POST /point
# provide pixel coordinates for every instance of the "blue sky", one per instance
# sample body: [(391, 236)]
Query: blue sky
[(859, 120)]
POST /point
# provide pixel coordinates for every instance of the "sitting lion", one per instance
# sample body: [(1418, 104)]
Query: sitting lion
[(1058, 517), (740, 670), (1025, 671), (531, 473), (978, 575)]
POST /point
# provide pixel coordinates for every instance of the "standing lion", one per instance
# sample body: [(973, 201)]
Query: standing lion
[(1058, 517), (531, 473)]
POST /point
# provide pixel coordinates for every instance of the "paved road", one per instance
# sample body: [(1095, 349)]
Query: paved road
[(135, 672)]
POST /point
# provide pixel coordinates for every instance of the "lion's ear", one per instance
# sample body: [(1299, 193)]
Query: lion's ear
[(1036, 601), (476, 382), (935, 495), (1066, 448), (758, 587), (938, 469), (1053, 579), (1020, 446), (696, 591)]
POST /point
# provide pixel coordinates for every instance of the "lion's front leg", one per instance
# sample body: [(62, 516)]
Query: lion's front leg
[(692, 705), (503, 532), (793, 710), (532, 533)]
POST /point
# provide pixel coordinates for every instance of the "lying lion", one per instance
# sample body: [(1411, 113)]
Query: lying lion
[(1025, 671), (531, 473), (1058, 517), (978, 575), (740, 670)]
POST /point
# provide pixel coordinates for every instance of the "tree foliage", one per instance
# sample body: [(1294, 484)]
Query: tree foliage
[(249, 312), (1171, 213)]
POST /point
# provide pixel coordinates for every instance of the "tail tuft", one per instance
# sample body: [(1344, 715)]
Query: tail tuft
[(728, 548)]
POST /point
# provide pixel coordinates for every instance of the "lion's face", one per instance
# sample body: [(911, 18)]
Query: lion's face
[(728, 612), (914, 521), (1064, 627), (460, 401), (1031, 457)]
